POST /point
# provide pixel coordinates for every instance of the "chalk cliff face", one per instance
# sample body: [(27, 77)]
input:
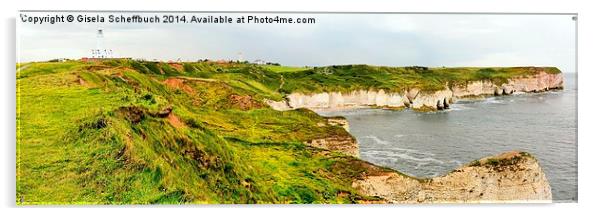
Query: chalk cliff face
[(343, 142), (338, 121), (538, 83), (426, 101), (334, 100), (418, 99), (509, 177)]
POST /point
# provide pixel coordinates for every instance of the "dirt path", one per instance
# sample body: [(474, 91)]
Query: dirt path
[(281, 82), (23, 67)]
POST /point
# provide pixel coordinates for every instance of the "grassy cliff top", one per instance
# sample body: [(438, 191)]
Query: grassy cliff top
[(122, 131), (141, 132), (354, 77), (271, 81)]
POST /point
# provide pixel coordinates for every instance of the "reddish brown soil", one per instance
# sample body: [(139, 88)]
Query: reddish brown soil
[(177, 66), (174, 121), (177, 83), (243, 102)]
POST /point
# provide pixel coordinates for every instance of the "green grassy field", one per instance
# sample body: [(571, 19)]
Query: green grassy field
[(346, 78), (283, 69), (93, 133), (276, 81), (128, 132)]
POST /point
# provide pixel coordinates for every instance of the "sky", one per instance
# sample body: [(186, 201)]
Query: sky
[(432, 40)]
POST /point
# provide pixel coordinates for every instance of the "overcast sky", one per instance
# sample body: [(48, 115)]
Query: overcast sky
[(375, 39)]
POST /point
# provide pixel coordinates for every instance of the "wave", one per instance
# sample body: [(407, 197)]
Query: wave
[(458, 107), (379, 154), (391, 148), (492, 100), (412, 151), (376, 139), (457, 162), (426, 159)]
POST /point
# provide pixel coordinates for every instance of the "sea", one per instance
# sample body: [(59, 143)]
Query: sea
[(435, 143)]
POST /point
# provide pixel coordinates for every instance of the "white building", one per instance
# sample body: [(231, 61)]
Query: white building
[(100, 51)]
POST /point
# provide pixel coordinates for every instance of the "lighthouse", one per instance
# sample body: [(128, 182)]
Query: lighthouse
[(100, 51)]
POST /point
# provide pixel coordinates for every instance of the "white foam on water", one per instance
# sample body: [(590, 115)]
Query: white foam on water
[(458, 107), (458, 163), (403, 156), (396, 150), (376, 139), (413, 151), (492, 100)]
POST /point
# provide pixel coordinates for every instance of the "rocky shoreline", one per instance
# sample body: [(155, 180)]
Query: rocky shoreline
[(418, 99), (509, 177)]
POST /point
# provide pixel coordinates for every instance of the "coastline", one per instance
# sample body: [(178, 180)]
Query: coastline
[(394, 186), (211, 134), (418, 99)]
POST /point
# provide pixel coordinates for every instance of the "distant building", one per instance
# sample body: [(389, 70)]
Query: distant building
[(259, 62), (86, 59), (101, 53)]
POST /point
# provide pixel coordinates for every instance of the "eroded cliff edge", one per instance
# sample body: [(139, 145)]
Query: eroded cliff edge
[(419, 99), (508, 177)]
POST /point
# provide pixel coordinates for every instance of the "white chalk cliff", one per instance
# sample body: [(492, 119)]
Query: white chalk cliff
[(509, 177), (418, 99)]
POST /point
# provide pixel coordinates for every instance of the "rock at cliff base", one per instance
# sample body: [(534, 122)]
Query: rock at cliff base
[(508, 177)]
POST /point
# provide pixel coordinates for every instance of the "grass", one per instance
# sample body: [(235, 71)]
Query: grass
[(501, 162), (283, 69), (274, 82), (345, 78), (103, 141), (99, 133)]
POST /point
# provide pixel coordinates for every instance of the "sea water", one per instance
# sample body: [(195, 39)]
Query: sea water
[(435, 143)]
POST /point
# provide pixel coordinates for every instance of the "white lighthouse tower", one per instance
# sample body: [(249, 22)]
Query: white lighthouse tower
[(101, 51)]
